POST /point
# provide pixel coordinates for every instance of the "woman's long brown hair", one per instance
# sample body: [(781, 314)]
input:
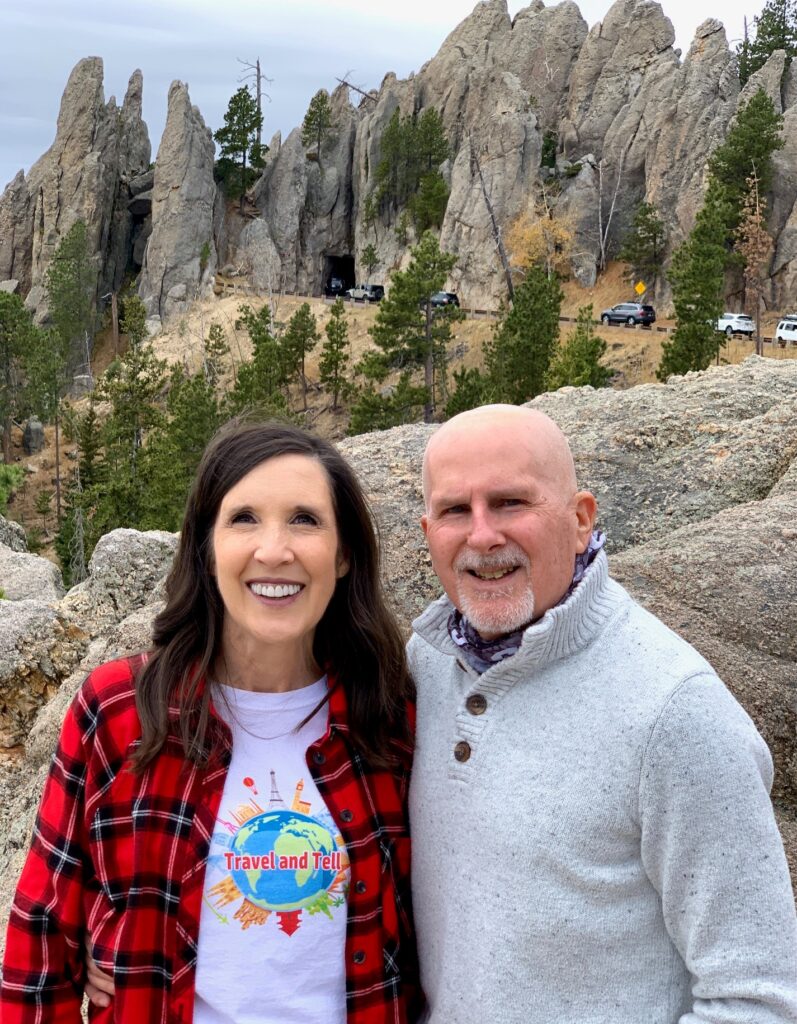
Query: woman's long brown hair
[(357, 640)]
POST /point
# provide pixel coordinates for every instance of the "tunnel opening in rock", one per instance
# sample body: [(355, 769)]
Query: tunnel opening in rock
[(338, 274)]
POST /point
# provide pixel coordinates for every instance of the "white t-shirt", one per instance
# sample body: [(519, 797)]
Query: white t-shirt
[(273, 928)]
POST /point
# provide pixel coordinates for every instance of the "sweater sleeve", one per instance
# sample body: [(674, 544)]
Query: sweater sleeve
[(711, 848), (43, 967)]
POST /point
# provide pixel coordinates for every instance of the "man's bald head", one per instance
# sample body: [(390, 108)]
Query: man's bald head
[(524, 428)]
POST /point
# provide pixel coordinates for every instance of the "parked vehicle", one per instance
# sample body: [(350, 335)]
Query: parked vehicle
[(786, 332), (736, 323), (444, 299), (335, 286), (629, 313), (367, 292)]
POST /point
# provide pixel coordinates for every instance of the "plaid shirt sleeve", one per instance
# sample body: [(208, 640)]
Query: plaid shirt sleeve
[(43, 967)]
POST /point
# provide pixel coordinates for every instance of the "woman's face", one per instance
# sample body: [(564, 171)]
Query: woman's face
[(276, 557)]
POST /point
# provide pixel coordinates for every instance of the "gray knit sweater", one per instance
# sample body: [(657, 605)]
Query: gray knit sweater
[(604, 851)]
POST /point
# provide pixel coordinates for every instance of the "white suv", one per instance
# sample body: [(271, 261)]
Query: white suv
[(787, 330), (736, 323)]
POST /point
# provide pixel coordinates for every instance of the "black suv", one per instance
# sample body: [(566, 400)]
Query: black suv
[(444, 299), (335, 286), (629, 313)]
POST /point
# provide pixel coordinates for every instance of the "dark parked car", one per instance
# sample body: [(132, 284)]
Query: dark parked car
[(629, 313), (444, 299), (335, 286)]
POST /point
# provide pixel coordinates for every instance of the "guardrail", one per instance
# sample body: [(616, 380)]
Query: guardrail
[(240, 286)]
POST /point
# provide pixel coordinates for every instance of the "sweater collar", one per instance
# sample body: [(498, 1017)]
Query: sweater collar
[(560, 632)]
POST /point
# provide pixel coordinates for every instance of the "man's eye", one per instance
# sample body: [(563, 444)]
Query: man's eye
[(453, 510)]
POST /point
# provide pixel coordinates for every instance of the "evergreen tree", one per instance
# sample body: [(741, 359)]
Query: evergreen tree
[(754, 244), (428, 205), (80, 527), (411, 151), (369, 259), (299, 339), (578, 361), (335, 353), (775, 28), (407, 331), (471, 389), (697, 275), (71, 282), (519, 354), (133, 386), (262, 382), (238, 140), (644, 245), (18, 334), (390, 408), (172, 453), (215, 351), (317, 124), (748, 147)]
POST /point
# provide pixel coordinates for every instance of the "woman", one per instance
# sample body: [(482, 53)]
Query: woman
[(226, 815)]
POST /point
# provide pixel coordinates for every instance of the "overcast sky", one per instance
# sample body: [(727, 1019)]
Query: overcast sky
[(302, 45)]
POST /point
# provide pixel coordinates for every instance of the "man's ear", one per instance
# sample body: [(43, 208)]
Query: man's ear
[(425, 525), (585, 507)]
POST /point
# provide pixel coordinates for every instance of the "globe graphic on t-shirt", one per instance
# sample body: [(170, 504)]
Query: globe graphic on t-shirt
[(288, 834)]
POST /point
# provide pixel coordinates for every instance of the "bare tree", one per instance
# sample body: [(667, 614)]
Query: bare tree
[(475, 166), (350, 85), (253, 72)]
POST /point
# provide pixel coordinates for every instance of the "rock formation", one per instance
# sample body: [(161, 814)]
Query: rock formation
[(82, 176), (697, 484), (180, 253)]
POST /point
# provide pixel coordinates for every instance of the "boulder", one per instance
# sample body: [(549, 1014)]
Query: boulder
[(26, 577), (125, 570), (33, 436), (38, 650), (9, 287), (12, 535), (180, 250)]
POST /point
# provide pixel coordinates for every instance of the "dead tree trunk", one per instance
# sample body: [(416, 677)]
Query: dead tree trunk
[(499, 242)]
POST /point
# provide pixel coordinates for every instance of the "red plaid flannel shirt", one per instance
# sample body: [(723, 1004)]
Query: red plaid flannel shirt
[(123, 855)]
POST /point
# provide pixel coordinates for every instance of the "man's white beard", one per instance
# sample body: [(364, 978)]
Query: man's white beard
[(494, 612)]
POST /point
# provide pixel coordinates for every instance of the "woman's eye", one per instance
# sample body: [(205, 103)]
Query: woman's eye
[(242, 517), (305, 519)]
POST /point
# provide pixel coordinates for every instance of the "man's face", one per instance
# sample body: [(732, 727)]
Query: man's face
[(502, 529)]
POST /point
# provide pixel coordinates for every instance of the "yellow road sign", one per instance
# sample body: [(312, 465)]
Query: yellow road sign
[(640, 287)]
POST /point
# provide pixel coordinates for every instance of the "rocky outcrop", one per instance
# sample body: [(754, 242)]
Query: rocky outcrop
[(26, 577), (306, 202), (81, 177), (12, 535), (697, 484), (181, 254)]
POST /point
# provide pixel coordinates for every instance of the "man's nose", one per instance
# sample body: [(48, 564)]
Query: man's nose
[(485, 532)]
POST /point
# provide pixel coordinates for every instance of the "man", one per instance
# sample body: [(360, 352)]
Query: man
[(593, 841)]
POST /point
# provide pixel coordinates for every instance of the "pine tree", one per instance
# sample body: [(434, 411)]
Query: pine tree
[(644, 245), (775, 28), (317, 124), (748, 147), (133, 387), (18, 334), (471, 389), (578, 361), (369, 259), (335, 353), (519, 354), (697, 275), (299, 339), (262, 382), (754, 244), (390, 408), (407, 331), (238, 139)]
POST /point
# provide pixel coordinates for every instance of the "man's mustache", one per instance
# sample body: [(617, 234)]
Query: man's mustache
[(509, 557)]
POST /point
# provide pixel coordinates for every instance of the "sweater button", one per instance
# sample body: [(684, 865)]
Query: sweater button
[(360, 887), (359, 956), (462, 751), (346, 815), (318, 757), (476, 703)]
